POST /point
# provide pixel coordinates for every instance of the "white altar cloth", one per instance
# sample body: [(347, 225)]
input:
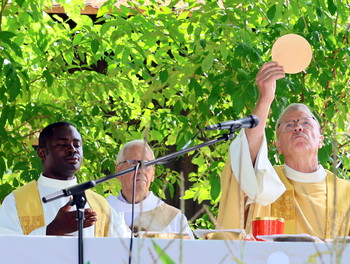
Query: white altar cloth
[(59, 250)]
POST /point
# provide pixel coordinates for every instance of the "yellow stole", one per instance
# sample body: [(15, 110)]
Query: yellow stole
[(157, 219), (337, 207), (232, 212), (31, 214)]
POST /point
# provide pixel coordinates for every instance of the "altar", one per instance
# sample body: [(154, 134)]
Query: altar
[(58, 250)]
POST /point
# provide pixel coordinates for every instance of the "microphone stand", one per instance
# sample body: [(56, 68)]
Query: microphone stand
[(79, 200), (132, 227), (78, 191)]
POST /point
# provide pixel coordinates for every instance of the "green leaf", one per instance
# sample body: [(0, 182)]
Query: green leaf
[(194, 85), (12, 81), (5, 189), (163, 75), (331, 7), (16, 49), (171, 190), (190, 29), (20, 2), (207, 62), (20, 166), (183, 15), (2, 166), (223, 51), (77, 39), (6, 36), (203, 43), (319, 12), (95, 110), (215, 94), (295, 7), (4, 115), (48, 77), (271, 12), (245, 36), (11, 114), (330, 112), (215, 185), (3, 133), (177, 107), (95, 44), (162, 255)]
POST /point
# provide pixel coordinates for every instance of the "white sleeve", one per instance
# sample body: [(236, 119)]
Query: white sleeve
[(118, 227), (261, 184), (180, 224), (187, 229), (9, 221)]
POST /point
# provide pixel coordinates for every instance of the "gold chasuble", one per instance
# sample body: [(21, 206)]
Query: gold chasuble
[(310, 208), (157, 219), (31, 214)]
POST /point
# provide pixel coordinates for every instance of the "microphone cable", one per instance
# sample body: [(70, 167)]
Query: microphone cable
[(184, 147), (133, 211), (190, 141)]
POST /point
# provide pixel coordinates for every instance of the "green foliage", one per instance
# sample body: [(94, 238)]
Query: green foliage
[(162, 73), (162, 254)]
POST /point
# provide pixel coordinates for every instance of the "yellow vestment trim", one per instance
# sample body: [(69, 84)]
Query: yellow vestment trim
[(157, 219), (29, 207), (31, 214), (99, 205), (337, 210), (233, 213)]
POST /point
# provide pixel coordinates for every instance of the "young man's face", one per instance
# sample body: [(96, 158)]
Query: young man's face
[(63, 154)]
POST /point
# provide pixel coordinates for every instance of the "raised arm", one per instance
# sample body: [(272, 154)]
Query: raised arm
[(266, 82)]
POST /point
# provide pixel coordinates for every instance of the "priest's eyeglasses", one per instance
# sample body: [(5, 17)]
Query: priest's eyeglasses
[(133, 163), (288, 126)]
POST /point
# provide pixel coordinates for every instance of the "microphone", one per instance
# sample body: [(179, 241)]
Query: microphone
[(245, 122)]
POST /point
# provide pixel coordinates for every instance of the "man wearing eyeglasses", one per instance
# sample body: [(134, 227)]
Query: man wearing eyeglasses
[(150, 213), (301, 191)]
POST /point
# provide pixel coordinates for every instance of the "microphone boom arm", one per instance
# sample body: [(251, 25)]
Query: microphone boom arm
[(90, 184)]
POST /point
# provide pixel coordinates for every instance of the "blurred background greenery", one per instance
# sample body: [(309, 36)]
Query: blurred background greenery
[(162, 71)]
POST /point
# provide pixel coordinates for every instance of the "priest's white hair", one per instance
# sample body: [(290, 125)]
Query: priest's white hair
[(140, 142)]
